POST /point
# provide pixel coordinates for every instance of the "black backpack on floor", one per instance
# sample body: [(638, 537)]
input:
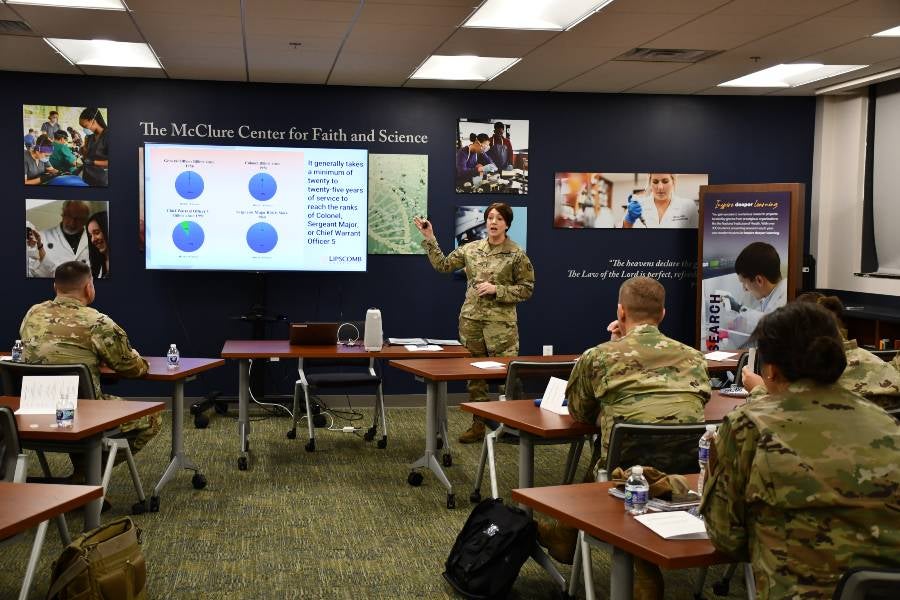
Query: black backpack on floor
[(489, 551)]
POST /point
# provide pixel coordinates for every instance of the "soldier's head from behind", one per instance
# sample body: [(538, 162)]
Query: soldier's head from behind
[(642, 300), (758, 268), (73, 279), (799, 341)]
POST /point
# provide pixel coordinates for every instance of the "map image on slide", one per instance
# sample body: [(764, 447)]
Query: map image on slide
[(262, 237), (189, 185), (398, 191), (262, 186), (188, 236)]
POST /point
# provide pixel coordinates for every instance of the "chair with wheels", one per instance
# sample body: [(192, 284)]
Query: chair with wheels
[(114, 440), (868, 584), (525, 380), (13, 469)]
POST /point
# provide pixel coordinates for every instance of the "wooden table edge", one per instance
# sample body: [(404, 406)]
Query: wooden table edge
[(88, 493)]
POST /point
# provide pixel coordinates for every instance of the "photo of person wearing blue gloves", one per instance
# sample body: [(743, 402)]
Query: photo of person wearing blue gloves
[(661, 209)]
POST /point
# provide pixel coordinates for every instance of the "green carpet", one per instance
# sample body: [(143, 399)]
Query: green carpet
[(341, 522)]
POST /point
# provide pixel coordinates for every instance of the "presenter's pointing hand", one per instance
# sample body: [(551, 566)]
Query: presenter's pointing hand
[(424, 227), (634, 211)]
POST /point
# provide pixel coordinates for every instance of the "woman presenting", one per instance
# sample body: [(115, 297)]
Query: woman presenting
[(662, 209), (499, 275)]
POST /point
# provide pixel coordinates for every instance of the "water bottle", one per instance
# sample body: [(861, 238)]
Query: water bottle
[(17, 351), (173, 357), (636, 491), (703, 455), (65, 412)]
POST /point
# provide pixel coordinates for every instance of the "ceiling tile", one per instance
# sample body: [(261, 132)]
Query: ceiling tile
[(311, 67), (298, 10), (416, 44), (80, 24), (803, 8), (123, 72), (866, 51), (698, 77), (294, 29), (870, 8), (182, 7), (366, 68), (543, 69), (6, 14), (616, 76), (688, 7), (630, 30), (219, 69), (404, 15), (494, 42), (723, 32), (187, 27), (18, 53)]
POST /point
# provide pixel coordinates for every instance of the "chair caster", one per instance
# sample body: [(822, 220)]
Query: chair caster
[(221, 408), (198, 481), (475, 497), (451, 501), (242, 463), (415, 479), (382, 443), (292, 434), (447, 460), (200, 421), (139, 508), (311, 445), (154, 503), (369, 435)]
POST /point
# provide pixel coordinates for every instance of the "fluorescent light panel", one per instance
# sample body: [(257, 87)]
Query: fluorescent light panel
[(892, 32), (102, 4), (549, 15), (105, 53), (463, 68), (790, 75)]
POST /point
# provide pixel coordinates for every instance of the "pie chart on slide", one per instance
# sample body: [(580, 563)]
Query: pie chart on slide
[(188, 236), (262, 237), (262, 186), (189, 185)]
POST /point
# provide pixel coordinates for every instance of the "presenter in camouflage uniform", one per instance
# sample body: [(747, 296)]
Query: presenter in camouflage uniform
[(66, 330), (804, 482), (640, 376), (866, 374), (499, 275)]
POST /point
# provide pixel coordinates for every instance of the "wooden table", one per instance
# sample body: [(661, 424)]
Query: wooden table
[(92, 419), (719, 366), (24, 505), (436, 373), (589, 508), (246, 350)]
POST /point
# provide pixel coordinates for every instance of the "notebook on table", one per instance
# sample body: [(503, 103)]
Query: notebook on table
[(313, 334)]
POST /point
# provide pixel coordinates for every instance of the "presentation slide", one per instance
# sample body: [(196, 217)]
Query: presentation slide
[(234, 208)]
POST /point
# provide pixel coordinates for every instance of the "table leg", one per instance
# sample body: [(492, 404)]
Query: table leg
[(621, 576), (179, 459), (435, 391), (33, 559), (243, 412), (526, 464), (92, 456)]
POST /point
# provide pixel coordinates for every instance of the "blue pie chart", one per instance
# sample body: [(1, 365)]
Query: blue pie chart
[(262, 237), (188, 236), (262, 186), (189, 185)]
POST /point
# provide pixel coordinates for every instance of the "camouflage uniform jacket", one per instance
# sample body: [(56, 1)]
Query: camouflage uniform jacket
[(643, 377), (867, 375), (506, 266), (806, 485), (65, 331), (896, 362)]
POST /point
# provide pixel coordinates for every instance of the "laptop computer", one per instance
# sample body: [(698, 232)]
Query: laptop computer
[(313, 334)]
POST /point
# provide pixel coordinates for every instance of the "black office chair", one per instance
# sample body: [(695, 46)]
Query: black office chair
[(868, 584), (886, 355), (525, 380), (340, 373), (11, 374), (13, 469)]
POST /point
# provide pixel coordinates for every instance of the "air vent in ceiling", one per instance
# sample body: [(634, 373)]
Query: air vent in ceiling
[(14, 28), (666, 55)]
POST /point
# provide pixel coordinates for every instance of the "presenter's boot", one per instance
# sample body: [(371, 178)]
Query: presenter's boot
[(558, 539), (648, 581), (473, 434)]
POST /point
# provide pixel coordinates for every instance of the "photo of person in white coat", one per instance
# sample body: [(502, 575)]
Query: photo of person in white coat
[(69, 240)]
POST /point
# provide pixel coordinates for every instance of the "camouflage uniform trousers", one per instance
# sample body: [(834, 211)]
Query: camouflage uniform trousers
[(487, 338), (137, 432)]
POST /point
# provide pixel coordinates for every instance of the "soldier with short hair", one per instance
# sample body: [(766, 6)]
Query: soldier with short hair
[(499, 276), (66, 330), (804, 482)]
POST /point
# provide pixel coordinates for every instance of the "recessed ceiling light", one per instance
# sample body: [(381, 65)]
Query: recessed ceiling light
[(105, 53), (892, 32), (549, 15), (102, 4), (790, 75), (463, 68)]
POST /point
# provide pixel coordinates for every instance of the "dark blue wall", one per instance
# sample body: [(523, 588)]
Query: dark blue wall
[(734, 139)]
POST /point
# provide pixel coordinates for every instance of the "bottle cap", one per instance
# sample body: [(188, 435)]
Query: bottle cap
[(637, 470), (711, 428)]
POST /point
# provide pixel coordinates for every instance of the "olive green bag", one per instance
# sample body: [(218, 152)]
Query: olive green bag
[(105, 563)]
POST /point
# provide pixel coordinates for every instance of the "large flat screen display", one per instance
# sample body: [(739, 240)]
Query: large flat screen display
[(236, 208)]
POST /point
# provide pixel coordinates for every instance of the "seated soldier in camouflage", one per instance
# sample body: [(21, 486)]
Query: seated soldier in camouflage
[(640, 376), (66, 331), (804, 482), (866, 374)]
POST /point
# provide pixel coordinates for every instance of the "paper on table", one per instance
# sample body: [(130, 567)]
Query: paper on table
[(675, 525), (443, 342), (488, 364), (41, 392), (719, 355), (554, 395), (426, 348), (405, 341)]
